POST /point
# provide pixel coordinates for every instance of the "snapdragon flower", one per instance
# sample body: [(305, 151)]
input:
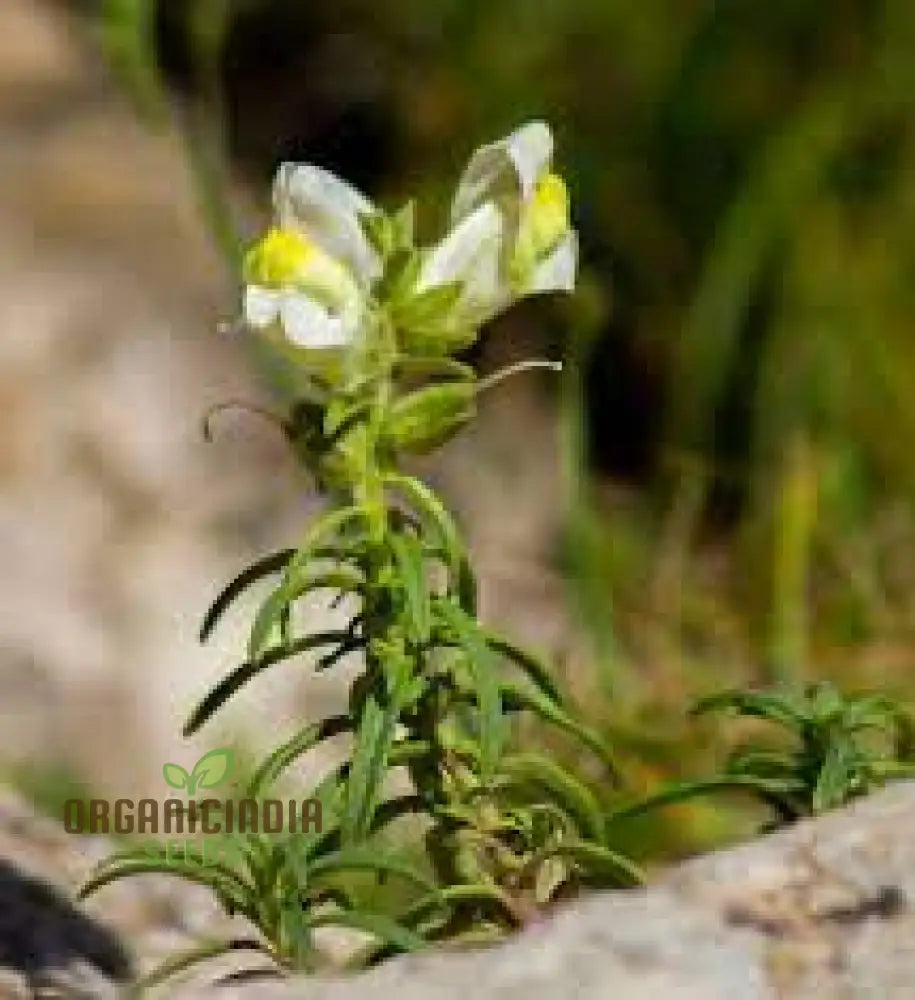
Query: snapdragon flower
[(312, 271), (511, 231)]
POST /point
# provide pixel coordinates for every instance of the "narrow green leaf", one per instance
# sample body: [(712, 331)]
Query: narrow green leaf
[(184, 960), (535, 770), (596, 859), (226, 890), (383, 928), (274, 563), (486, 683), (329, 524), (761, 704), (369, 766), (378, 231), (287, 753), (426, 418), (403, 225), (833, 787), (240, 676), (428, 309), (761, 763), (408, 553), (129, 42), (529, 662), (276, 610), (686, 790), (436, 367), (534, 700), (369, 859), (433, 513)]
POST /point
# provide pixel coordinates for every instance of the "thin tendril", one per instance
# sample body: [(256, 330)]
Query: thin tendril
[(520, 366)]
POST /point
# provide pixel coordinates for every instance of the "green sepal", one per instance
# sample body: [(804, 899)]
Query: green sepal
[(422, 420)]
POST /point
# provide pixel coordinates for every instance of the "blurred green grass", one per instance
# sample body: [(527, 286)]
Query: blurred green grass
[(739, 459)]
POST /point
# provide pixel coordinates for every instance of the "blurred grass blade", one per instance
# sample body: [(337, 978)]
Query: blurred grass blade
[(129, 42)]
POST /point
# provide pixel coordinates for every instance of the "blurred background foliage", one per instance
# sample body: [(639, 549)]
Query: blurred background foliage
[(739, 436)]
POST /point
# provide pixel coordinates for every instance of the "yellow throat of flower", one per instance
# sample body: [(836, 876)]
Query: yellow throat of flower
[(278, 259), (549, 207), (544, 221)]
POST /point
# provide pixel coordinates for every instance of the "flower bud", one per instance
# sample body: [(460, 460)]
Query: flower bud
[(426, 418)]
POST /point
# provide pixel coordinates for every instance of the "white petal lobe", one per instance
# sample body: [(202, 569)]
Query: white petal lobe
[(326, 209), (557, 272), (509, 167), (472, 245), (307, 323)]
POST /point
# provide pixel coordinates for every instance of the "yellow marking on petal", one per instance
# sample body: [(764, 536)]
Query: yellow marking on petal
[(544, 221), (548, 213), (278, 258), (551, 196)]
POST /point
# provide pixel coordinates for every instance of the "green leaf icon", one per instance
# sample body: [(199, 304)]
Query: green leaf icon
[(175, 775), (211, 769)]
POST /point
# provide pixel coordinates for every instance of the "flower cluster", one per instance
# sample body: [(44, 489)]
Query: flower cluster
[(331, 259)]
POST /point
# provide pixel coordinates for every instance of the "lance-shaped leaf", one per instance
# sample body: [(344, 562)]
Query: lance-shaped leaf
[(379, 926), (187, 959), (327, 526), (274, 563), (533, 700), (240, 676), (596, 862), (433, 513), (836, 780), (364, 858), (369, 767), (297, 746), (532, 665), (486, 683), (424, 419), (539, 773), (686, 790), (233, 893), (276, 610), (408, 553), (760, 704)]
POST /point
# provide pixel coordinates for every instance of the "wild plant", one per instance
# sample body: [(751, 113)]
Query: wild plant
[(372, 325)]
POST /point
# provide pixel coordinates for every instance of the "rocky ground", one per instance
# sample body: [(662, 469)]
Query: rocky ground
[(823, 910)]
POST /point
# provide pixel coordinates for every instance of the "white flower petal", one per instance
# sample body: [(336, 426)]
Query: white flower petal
[(511, 165), (307, 323), (326, 209), (261, 306), (531, 149), (557, 272), (471, 247)]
